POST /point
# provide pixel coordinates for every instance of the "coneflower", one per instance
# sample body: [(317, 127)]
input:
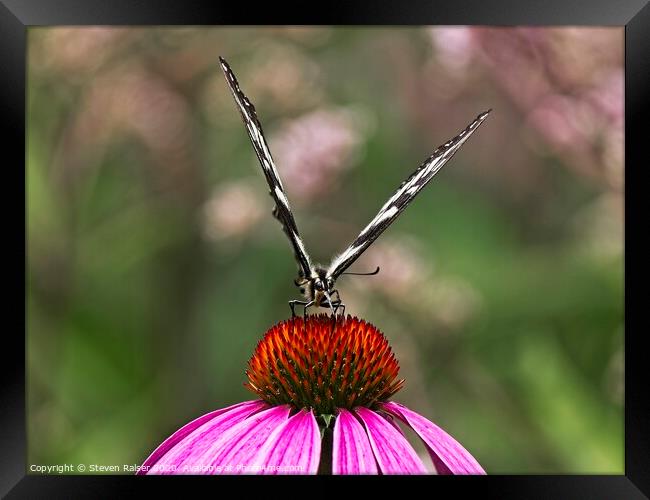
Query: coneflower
[(324, 390)]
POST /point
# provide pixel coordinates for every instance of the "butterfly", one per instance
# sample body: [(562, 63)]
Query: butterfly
[(317, 283)]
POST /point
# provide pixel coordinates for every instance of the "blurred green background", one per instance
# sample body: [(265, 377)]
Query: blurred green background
[(154, 265)]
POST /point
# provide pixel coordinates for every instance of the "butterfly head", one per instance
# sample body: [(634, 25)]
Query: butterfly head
[(317, 287), (322, 288), (321, 281)]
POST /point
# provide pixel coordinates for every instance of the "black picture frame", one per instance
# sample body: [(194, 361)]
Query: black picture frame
[(17, 15)]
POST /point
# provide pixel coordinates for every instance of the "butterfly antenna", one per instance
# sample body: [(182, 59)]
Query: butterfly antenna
[(376, 271)]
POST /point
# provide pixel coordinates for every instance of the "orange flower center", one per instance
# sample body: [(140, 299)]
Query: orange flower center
[(324, 364)]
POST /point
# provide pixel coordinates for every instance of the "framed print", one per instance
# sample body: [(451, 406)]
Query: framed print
[(368, 241)]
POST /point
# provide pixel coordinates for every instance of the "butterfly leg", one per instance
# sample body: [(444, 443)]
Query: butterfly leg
[(338, 303), (304, 310), (334, 306), (292, 305)]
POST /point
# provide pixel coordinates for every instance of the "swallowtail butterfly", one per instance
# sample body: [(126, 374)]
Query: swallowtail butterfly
[(317, 283)]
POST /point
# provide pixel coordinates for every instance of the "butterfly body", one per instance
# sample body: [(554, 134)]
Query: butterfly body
[(315, 282), (318, 289)]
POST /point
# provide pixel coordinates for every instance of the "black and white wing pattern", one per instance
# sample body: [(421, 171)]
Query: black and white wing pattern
[(282, 210), (401, 199)]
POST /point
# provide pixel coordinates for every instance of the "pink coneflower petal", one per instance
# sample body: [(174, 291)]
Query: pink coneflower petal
[(234, 449), (391, 420), (293, 448), (393, 452), (190, 439), (351, 450), (448, 456)]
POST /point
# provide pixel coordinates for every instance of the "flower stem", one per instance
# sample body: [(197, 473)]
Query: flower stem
[(325, 465)]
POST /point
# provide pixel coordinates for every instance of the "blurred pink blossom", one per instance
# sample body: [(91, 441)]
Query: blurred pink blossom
[(314, 149), (282, 77), (75, 50), (232, 210), (403, 270), (453, 46), (408, 279), (568, 83), (129, 101)]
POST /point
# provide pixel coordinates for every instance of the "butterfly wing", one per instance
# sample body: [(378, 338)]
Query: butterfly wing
[(402, 197), (282, 210)]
